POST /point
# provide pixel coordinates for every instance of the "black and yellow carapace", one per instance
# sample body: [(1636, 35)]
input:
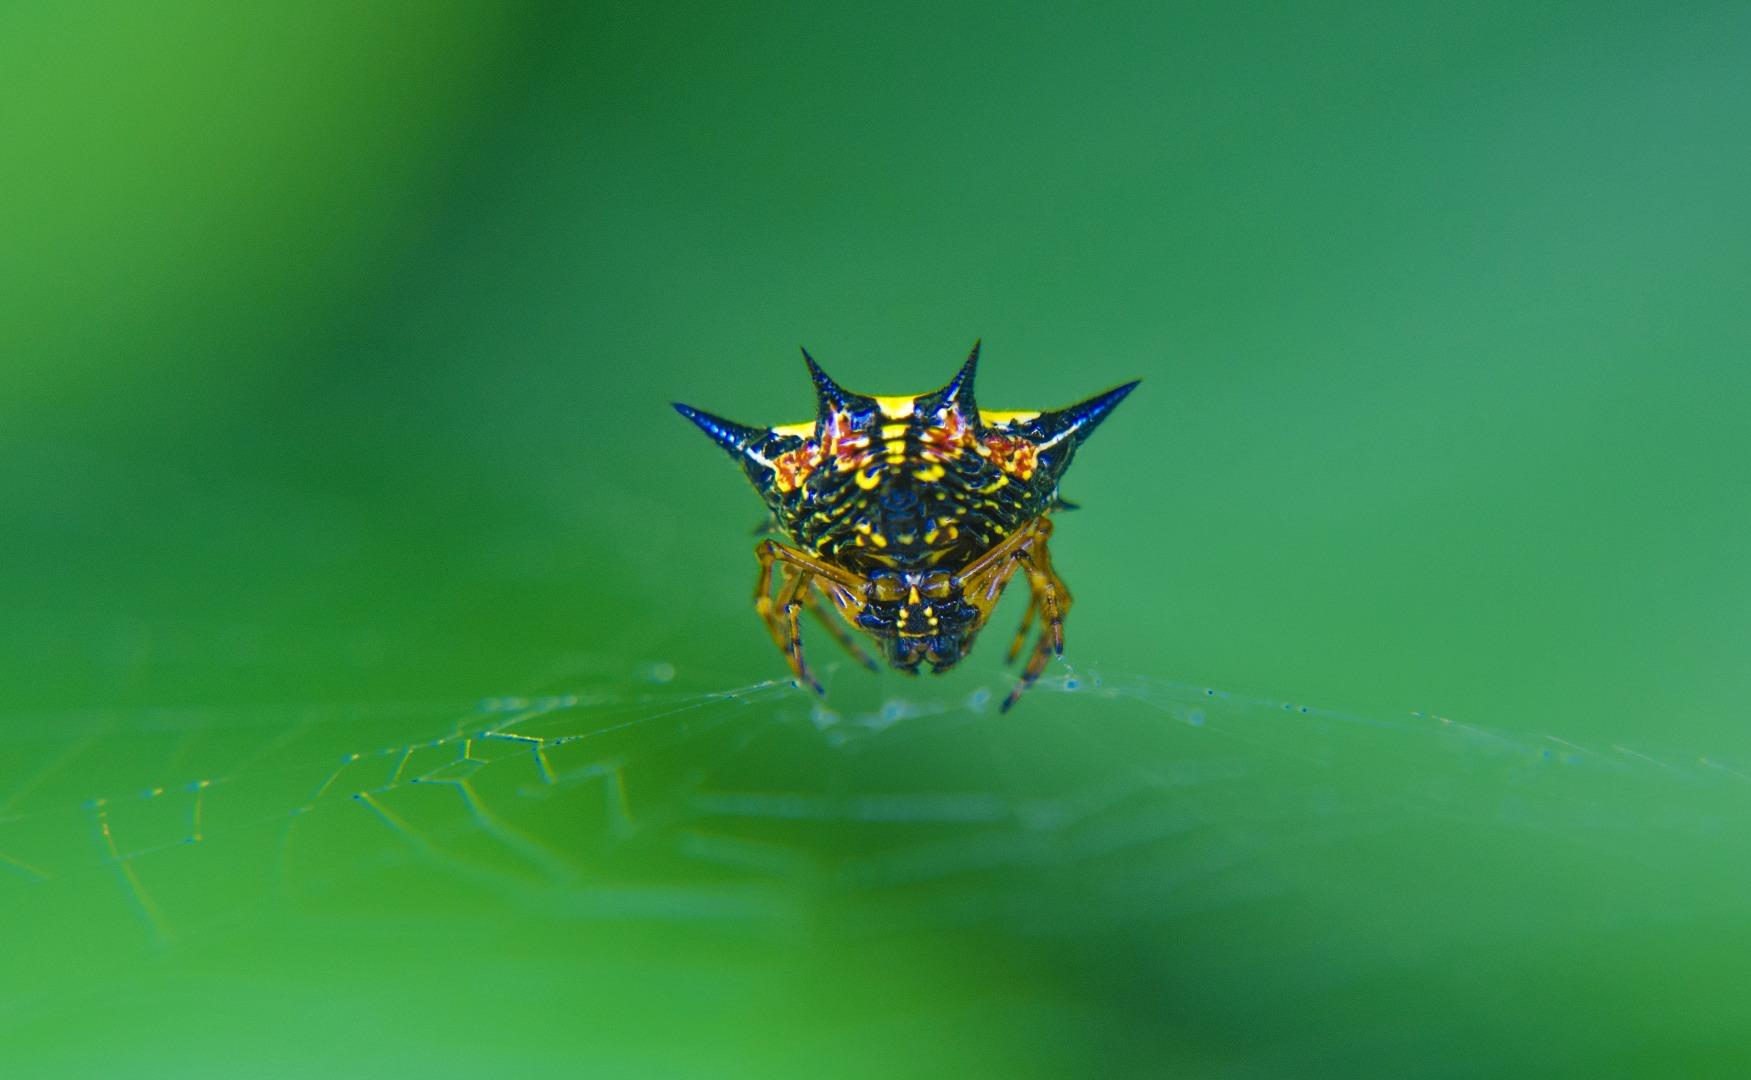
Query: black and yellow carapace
[(910, 515)]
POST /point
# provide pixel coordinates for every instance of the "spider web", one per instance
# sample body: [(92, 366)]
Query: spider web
[(1110, 807)]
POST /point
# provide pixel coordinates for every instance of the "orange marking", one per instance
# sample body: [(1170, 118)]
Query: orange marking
[(949, 436), (848, 447), (1017, 457), (795, 467)]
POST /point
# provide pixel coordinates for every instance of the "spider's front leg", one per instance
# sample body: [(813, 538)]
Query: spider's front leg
[(843, 602), (985, 578), (1050, 599), (799, 575)]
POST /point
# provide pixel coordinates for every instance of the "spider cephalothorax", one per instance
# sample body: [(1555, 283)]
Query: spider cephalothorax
[(910, 515)]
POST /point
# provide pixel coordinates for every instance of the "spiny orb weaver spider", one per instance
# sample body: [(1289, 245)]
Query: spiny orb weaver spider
[(910, 516)]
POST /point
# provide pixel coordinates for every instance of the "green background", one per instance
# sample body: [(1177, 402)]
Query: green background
[(336, 348)]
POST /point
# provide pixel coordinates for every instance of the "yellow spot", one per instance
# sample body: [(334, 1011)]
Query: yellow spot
[(989, 417), (891, 432), (930, 475), (898, 408), (929, 612), (880, 540), (912, 595), (930, 537), (869, 478)]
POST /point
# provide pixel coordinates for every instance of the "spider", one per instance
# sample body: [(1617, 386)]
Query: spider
[(908, 517)]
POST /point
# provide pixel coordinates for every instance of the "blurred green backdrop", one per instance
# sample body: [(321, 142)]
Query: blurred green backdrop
[(338, 342)]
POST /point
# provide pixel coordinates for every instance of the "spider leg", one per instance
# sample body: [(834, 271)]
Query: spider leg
[(763, 595), (791, 598), (1049, 593), (1051, 600), (1036, 664), (812, 600), (780, 614), (1050, 642), (1006, 549), (1027, 620), (799, 573), (985, 578)]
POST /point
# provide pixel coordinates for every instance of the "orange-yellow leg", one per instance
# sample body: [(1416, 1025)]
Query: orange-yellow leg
[(1027, 620), (799, 576), (985, 578), (1052, 600), (812, 600)]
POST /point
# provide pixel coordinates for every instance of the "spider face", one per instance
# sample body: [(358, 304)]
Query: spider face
[(909, 515), (919, 617)]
